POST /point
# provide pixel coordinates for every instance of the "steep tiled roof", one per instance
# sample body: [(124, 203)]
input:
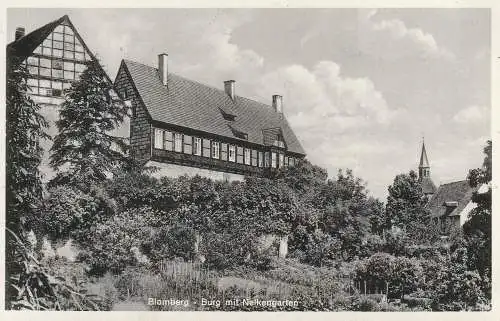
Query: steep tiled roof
[(190, 104), (459, 192), (428, 186)]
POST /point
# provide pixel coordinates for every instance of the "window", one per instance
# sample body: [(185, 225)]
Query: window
[(291, 161), (158, 138), (281, 160), (266, 160), (206, 147), (232, 153), (178, 142), (247, 156), (223, 151), (215, 150), (197, 146), (261, 159), (68, 54), (239, 154), (273, 160), (168, 140), (254, 157), (188, 144), (286, 161), (57, 64)]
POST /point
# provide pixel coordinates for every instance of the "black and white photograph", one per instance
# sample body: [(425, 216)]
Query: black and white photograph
[(248, 159)]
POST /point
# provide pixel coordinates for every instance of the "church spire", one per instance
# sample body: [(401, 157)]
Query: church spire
[(424, 162), (424, 172)]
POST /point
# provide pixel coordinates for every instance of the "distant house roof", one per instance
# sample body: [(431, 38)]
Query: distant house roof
[(428, 186), (190, 104), (450, 199)]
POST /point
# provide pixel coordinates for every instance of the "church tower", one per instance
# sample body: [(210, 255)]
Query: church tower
[(424, 173)]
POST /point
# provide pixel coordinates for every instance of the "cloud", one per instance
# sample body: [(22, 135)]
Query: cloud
[(472, 115), (321, 98), (424, 42)]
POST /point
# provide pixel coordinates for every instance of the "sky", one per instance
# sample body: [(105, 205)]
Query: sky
[(360, 87)]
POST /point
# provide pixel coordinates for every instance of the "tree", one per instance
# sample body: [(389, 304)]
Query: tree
[(29, 284), (477, 229), (345, 212), (84, 143), (25, 129), (405, 207)]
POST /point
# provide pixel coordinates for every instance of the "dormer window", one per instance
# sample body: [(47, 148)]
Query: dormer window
[(238, 133), (279, 141)]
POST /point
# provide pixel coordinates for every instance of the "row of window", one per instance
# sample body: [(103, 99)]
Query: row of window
[(182, 143)]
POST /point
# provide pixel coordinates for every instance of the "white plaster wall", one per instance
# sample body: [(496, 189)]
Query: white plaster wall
[(174, 170)]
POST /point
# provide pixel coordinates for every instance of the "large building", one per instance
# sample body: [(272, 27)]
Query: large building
[(184, 127), (55, 55)]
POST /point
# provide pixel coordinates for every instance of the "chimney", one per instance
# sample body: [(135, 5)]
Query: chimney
[(278, 103), (19, 33), (229, 88), (163, 68)]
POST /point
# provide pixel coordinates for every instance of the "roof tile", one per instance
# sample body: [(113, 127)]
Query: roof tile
[(190, 104)]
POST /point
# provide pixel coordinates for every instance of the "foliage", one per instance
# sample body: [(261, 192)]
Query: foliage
[(114, 240), (477, 229), (25, 128), (35, 288), (405, 208), (68, 212), (84, 151)]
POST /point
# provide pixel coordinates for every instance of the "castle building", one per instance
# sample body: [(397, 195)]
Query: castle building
[(55, 55), (184, 127)]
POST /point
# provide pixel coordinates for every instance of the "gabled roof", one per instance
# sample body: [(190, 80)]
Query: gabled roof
[(424, 162), (442, 202), (428, 186), (190, 104), (24, 47)]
